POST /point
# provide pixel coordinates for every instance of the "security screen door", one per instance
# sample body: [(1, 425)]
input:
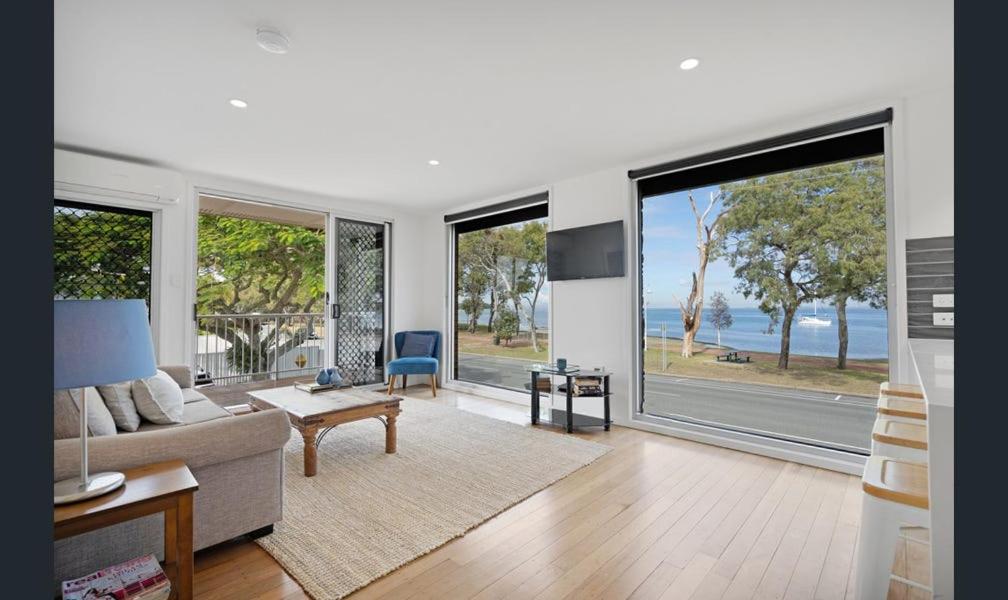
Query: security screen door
[(358, 310)]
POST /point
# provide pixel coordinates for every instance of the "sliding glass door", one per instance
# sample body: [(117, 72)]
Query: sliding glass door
[(260, 291), (763, 294), (283, 292), (501, 297)]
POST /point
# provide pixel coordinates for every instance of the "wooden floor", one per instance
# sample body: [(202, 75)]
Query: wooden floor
[(658, 517)]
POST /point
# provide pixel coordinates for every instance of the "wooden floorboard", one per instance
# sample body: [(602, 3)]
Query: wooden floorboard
[(657, 517)]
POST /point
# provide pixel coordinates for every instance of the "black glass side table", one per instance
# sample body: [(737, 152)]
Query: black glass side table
[(569, 374)]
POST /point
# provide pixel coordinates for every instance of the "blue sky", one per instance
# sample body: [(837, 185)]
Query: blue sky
[(670, 253)]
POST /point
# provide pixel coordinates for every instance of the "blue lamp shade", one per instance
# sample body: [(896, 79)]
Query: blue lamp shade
[(98, 342)]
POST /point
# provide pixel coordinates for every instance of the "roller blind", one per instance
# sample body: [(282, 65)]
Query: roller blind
[(844, 140), (537, 201)]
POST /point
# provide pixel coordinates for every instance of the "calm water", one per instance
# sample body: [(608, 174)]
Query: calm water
[(867, 331)]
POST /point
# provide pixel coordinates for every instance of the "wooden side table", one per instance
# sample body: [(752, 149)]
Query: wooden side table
[(166, 487)]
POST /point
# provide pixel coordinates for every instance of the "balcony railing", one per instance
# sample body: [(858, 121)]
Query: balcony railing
[(240, 348)]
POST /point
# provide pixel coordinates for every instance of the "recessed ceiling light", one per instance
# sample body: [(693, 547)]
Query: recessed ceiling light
[(433, 162), (689, 63), (272, 41), (238, 103)]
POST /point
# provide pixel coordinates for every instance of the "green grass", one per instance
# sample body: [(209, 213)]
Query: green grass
[(481, 342), (862, 377)]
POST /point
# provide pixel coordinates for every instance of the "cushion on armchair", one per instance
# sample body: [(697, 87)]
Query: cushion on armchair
[(415, 344), (413, 365)]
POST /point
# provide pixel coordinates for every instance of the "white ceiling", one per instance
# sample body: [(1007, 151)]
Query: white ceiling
[(507, 95)]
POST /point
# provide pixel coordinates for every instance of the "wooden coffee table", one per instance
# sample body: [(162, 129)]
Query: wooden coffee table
[(315, 415)]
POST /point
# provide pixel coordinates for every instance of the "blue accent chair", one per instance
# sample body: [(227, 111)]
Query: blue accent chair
[(414, 365)]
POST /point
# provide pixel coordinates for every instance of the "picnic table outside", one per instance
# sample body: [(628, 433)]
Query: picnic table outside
[(732, 356)]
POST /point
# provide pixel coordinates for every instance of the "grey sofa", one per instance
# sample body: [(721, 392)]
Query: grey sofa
[(237, 460)]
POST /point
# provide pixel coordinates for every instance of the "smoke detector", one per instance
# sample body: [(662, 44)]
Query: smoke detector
[(272, 40)]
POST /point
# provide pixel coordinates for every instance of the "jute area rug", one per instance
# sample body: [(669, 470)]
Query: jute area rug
[(366, 512)]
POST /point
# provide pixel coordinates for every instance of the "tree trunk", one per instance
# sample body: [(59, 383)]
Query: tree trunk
[(687, 342), (692, 311), (719, 337), (841, 313), (515, 299), (472, 322), (532, 327), (493, 307), (785, 338)]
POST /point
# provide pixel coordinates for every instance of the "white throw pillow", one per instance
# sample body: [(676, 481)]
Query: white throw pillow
[(158, 399), (119, 400)]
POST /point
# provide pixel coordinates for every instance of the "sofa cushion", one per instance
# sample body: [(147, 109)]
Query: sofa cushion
[(416, 344), (158, 399), (182, 374), (191, 395), (66, 414), (119, 400), (199, 411)]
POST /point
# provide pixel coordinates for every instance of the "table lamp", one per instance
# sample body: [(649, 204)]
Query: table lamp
[(97, 342)]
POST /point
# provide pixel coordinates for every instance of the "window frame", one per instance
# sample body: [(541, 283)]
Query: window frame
[(822, 456), (539, 202), (124, 203)]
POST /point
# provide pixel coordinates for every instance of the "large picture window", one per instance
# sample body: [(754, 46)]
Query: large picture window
[(101, 252), (501, 297), (763, 292)]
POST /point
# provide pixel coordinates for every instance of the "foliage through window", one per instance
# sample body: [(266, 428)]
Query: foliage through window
[(259, 298), (502, 298), (101, 252), (764, 302), (249, 266)]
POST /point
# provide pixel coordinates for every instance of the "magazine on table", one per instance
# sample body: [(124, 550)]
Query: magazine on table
[(311, 387), (137, 579)]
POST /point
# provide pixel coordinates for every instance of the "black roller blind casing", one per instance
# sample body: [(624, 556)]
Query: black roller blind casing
[(519, 215), (870, 142), (541, 198)]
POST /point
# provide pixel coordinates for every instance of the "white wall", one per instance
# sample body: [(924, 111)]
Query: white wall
[(592, 318), (929, 155), (121, 182)]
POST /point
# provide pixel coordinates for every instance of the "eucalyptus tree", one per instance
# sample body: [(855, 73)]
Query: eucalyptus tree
[(709, 237), (852, 257), (720, 314), (772, 242), (533, 237), (473, 281)]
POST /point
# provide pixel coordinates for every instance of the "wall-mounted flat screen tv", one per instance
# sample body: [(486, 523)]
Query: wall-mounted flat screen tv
[(585, 252)]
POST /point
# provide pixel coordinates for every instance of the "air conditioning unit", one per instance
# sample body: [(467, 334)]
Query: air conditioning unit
[(85, 177)]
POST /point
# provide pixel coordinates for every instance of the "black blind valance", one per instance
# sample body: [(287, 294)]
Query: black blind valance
[(541, 199), (801, 149)]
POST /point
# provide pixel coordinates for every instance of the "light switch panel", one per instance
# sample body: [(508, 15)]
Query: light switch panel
[(943, 300), (944, 319)]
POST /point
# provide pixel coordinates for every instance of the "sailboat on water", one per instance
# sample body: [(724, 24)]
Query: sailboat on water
[(814, 319)]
